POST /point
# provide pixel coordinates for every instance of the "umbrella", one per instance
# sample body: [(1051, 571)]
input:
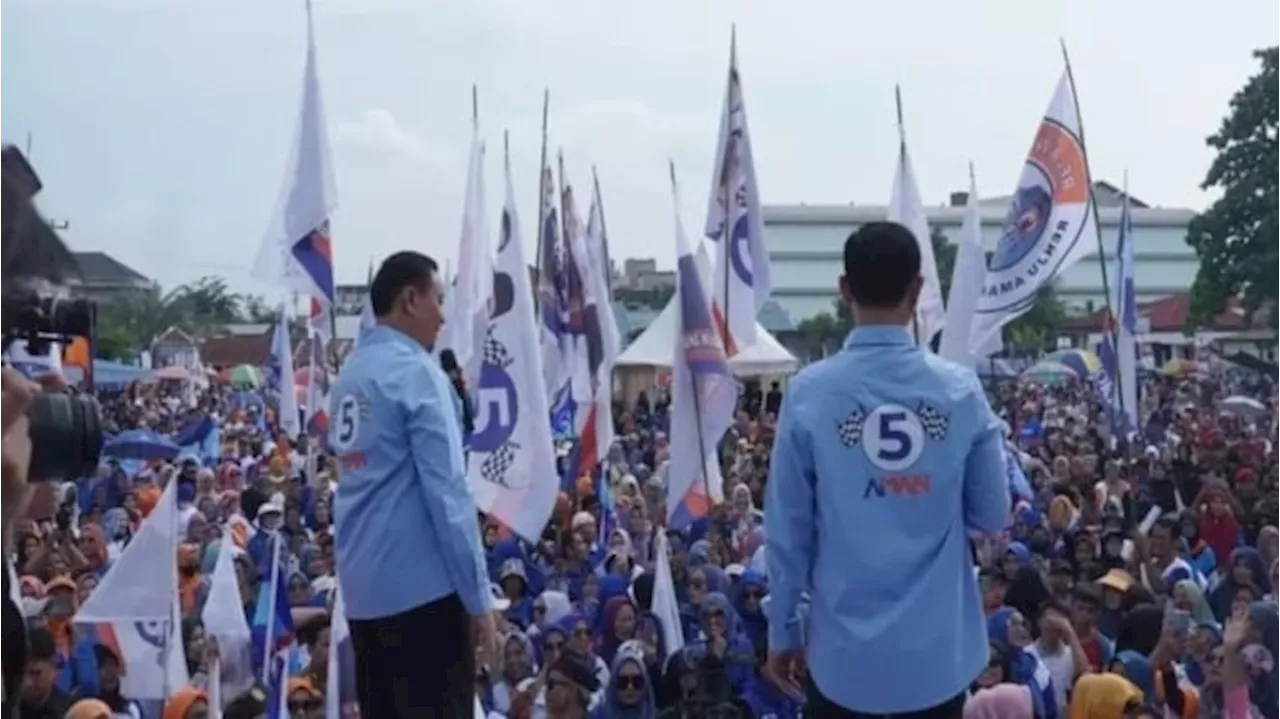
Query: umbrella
[(140, 444), (1083, 362), (174, 372), (1179, 368), (245, 375), (1244, 406), (1050, 373)]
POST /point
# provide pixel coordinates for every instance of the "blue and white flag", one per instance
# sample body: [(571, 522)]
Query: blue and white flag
[(735, 224), (512, 464), (704, 392), (135, 607), (280, 377), (554, 339), (340, 700), (468, 305), (297, 249)]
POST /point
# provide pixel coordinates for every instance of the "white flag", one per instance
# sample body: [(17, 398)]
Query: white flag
[(743, 279), (136, 607), (966, 285), (665, 606), (225, 621), (340, 691), (282, 365), (296, 250), (512, 464), (467, 307), (704, 391), (1050, 225), (906, 209)]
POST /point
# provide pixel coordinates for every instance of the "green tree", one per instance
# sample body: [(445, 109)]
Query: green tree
[(1235, 239), (1037, 329), (128, 322), (114, 343), (822, 334), (255, 310)]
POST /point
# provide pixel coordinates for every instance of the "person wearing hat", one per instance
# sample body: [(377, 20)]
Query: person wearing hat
[(305, 702), (410, 563)]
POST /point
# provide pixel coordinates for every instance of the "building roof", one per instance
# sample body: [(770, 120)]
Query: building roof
[(99, 268), (1169, 314), (992, 210), (236, 350)]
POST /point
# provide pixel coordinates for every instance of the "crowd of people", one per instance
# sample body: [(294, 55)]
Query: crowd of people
[(1135, 578)]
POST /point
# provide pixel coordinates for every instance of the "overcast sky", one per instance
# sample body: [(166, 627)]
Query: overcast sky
[(161, 127)]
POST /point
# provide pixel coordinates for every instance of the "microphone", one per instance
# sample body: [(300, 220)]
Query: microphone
[(448, 361)]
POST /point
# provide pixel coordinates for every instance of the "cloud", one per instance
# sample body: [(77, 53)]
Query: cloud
[(378, 132)]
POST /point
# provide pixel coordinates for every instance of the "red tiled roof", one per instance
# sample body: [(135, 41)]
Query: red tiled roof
[(1169, 314), (223, 352)]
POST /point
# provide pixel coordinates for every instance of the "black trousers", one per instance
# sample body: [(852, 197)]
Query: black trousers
[(820, 707), (419, 664)]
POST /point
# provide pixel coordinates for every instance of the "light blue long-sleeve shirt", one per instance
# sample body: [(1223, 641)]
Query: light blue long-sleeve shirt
[(884, 456), (404, 515)]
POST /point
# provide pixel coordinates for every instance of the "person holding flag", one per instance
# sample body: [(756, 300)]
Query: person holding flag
[(904, 456), (403, 502)]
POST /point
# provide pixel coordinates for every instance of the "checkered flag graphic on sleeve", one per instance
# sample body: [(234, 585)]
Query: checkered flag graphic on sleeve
[(935, 423), (850, 428)]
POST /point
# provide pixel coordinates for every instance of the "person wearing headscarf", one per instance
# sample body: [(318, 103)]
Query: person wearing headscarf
[(1260, 656), (630, 692), (1008, 628), (1188, 597), (1195, 550), (747, 594), (1104, 696), (1002, 701), (518, 664), (722, 636), (619, 620), (1245, 569)]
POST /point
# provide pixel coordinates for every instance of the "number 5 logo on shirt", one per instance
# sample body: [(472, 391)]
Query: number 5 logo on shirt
[(346, 425), (892, 437)]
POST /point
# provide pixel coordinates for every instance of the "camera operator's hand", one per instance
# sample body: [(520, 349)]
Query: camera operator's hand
[(18, 393)]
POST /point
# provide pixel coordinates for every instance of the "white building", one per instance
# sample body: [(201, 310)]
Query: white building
[(806, 245)]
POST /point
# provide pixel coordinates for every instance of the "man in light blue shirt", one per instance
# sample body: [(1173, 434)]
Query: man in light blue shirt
[(886, 456), (410, 563)]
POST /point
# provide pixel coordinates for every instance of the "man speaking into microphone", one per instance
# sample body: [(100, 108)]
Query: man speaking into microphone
[(885, 457), (410, 562)]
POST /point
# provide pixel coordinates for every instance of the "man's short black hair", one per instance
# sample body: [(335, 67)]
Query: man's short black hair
[(881, 260), (401, 270), (41, 647)]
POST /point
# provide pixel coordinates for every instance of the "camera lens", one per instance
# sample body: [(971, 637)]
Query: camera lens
[(66, 436)]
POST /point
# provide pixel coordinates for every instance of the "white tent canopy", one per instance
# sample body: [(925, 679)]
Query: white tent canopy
[(655, 347)]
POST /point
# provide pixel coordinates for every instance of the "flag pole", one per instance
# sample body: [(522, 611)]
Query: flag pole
[(604, 232), (1093, 202), (693, 394), (272, 588), (542, 193), (564, 216), (902, 156), (475, 107), (727, 192)]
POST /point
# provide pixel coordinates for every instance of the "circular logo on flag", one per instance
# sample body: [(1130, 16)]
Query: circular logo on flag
[(1045, 216)]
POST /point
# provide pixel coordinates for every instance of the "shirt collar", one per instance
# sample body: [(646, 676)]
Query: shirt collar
[(893, 335), (386, 333)]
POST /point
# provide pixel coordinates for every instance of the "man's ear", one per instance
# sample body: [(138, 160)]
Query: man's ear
[(843, 286)]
